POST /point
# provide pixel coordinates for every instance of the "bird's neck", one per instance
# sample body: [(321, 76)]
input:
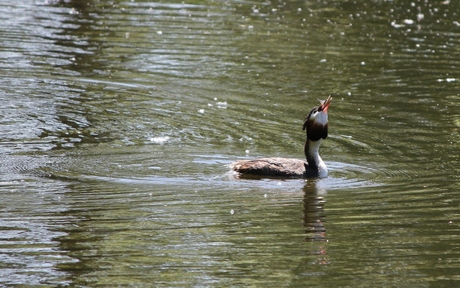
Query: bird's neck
[(315, 163)]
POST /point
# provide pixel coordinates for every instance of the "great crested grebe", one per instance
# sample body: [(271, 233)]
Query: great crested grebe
[(316, 129)]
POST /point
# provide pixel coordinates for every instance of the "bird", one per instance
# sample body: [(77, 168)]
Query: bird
[(316, 129)]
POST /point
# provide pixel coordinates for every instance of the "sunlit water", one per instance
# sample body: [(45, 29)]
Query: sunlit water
[(119, 119)]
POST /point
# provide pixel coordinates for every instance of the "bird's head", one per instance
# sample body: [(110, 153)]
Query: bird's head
[(316, 122)]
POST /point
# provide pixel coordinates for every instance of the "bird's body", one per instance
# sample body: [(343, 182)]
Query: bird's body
[(276, 167), (316, 126)]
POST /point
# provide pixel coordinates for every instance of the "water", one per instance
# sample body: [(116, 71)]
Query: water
[(118, 120)]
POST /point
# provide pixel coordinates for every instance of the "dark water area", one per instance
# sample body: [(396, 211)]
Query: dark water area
[(118, 120)]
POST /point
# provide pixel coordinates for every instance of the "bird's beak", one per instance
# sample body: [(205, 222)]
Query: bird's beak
[(325, 104)]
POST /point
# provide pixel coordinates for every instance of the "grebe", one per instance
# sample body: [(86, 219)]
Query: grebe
[(316, 130)]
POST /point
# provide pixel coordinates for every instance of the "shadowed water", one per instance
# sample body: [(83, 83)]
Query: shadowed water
[(119, 119)]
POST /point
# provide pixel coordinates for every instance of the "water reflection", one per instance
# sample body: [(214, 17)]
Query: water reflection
[(313, 204), (314, 220)]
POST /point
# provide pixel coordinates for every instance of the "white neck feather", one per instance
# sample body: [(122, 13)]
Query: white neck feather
[(313, 158)]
